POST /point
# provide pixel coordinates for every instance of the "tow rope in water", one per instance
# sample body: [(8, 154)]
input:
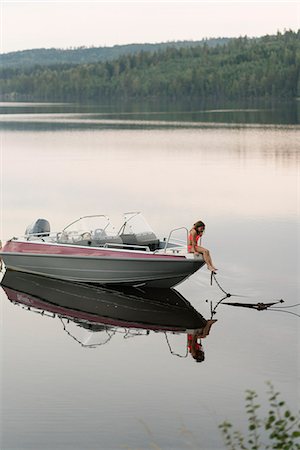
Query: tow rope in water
[(260, 306)]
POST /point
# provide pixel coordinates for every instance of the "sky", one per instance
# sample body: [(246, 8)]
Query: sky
[(65, 24)]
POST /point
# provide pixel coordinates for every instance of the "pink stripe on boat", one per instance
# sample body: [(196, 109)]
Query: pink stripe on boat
[(60, 249)]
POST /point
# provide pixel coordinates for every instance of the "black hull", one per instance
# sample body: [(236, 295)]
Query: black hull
[(147, 308)]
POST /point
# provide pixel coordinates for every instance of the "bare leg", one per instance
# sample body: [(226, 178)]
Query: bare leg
[(206, 257)]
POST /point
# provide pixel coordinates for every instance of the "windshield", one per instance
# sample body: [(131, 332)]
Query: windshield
[(134, 223), (94, 225), (96, 228)]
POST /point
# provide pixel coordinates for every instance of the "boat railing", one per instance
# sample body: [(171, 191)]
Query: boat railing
[(106, 218), (179, 242), (52, 237)]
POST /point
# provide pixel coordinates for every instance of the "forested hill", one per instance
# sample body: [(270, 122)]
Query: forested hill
[(88, 55), (242, 68)]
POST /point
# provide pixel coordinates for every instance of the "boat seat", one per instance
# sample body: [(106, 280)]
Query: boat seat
[(143, 239), (106, 240)]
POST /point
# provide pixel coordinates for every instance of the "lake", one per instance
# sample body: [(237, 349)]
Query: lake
[(235, 168)]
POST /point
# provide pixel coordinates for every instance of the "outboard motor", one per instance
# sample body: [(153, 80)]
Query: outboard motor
[(40, 228)]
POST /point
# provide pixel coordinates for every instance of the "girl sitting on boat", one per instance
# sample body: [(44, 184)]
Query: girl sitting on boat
[(193, 240)]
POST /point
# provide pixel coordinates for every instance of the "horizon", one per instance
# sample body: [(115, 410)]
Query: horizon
[(29, 25), (74, 48)]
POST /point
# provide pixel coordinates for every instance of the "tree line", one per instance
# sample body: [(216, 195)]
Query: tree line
[(240, 69), (88, 55)]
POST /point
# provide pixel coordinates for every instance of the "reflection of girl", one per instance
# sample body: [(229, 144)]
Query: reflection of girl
[(194, 341), (195, 234), (195, 348)]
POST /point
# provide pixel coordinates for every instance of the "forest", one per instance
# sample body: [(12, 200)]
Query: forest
[(87, 55), (241, 68)]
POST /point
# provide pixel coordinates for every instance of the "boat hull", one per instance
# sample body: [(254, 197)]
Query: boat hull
[(154, 272)]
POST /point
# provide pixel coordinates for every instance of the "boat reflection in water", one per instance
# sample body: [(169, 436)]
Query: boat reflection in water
[(101, 313)]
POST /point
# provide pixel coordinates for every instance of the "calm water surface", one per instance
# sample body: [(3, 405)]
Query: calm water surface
[(238, 170)]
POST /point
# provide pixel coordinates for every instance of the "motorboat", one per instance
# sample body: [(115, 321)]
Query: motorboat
[(96, 308), (91, 250)]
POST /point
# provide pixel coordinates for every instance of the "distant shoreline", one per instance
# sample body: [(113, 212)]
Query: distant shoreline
[(239, 69)]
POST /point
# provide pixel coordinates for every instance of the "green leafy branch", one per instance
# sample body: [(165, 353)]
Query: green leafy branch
[(280, 427)]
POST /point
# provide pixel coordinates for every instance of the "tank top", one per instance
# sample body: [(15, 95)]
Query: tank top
[(197, 345), (190, 241)]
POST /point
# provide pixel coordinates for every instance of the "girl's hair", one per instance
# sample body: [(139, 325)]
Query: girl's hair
[(199, 224), (200, 357)]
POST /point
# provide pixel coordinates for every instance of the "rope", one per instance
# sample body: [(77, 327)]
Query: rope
[(213, 277), (284, 307), (213, 310), (258, 306), (280, 310)]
